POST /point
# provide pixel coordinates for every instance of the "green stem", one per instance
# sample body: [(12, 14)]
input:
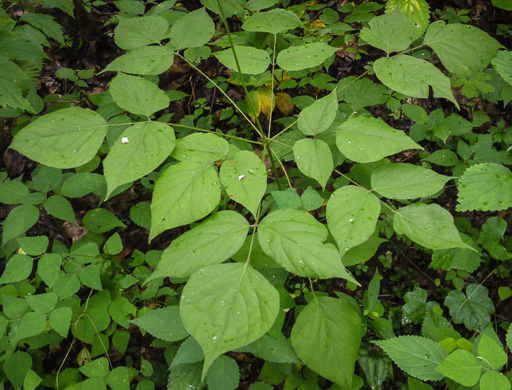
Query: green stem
[(214, 132), (271, 159)]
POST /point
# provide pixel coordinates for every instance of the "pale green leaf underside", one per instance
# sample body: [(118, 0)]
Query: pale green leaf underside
[(428, 225), (364, 140), (201, 147), (389, 32), (132, 33), (463, 49), (306, 56), (184, 193), (412, 77), (137, 95), (417, 11), (317, 117), (485, 187), (146, 60), (211, 242), (140, 150), (65, 138), (195, 29), (227, 306), (245, 179), (406, 181), (462, 367), (352, 214), (503, 65), (326, 337), (295, 240), (417, 356), (314, 159), (251, 60), (274, 21)]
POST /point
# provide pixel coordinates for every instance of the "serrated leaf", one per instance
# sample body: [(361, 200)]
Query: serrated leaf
[(101, 221), (406, 181), (132, 33), (245, 179), (295, 240), (195, 29), (389, 32), (417, 356), (412, 77), (201, 147), (140, 214), (352, 215), (274, 21), (473, 309), (417, 11), (326, 337), (462, 367), (364, 140), (146, 60), (18, 268), (184, 193), (305, 56), (61, 208), (463, 49), (314, 159), (137, 95), (443, 157), (251, 60), (139, 151), (226, 307), (211, 242), (223, 374), (19, 220), (164, 323), (503, 65), (317, 118), (66, 138), (485, 187), (428, 225), (185, 376), (46, 24)]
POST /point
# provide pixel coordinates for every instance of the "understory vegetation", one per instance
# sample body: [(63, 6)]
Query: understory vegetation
[(260, 194)]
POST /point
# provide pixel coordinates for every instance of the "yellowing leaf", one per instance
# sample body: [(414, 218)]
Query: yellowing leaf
[(283, 103), (260, 100), (317, 24)]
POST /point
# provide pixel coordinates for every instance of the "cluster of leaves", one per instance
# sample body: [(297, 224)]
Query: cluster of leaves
[(219, 290)]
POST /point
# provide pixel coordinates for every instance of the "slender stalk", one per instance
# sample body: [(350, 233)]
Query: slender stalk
[(271, 159)]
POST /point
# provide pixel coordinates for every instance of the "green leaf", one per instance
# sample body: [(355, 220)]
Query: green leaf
[(491, 353), (18, 268), (195, 29), (417, 356), (90, 277), (223, 374), (462, 367), (201, 147), (211, 242), (274, 350), (251, 60), (352, 214), (364, 140), (60, 208), (184, 193), (226, 307), (306, 56), (326, 337), (416, 10), (406, 181), (412, 77), (48, 268), (314, 159), (82, 184), (137, 95), (119, 378), (114, 245), (389, 32), (101, 221), (189, 352), (31, 381), (317, 118), (42, 303), (287, 199), (443, 157), (473, 309), (34, 246), (274, 21), (311, 200), (463, 49), (503, 65), (360, 93), (66, 138), (132, 33), (31, 324), (46, 24), (485, 187), (16, 368), (245, 179), (96, 369), (146, 60), (415, 384), (164, 323), (185, 376), (428, 225), (139, 151), (295, 240), (19, 220), (492, 380), (415, 306), (140, 214), (12, 192), (66, 285)]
